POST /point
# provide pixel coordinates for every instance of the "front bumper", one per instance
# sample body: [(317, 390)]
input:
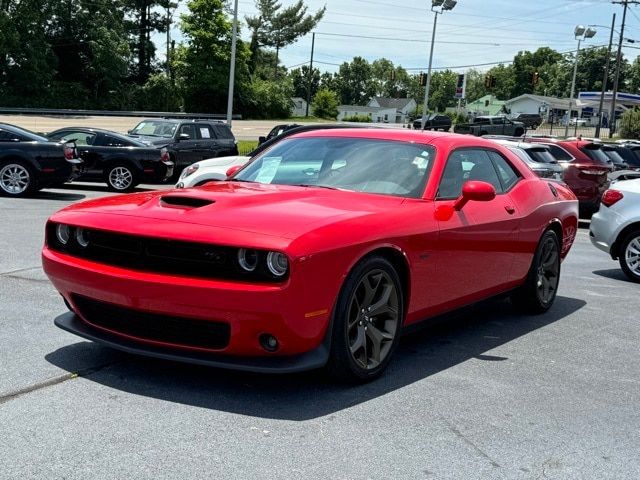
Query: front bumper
[(313, 359), (250, 310)]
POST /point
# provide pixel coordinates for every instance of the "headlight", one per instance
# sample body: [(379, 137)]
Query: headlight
[(277, 263), (62, 233), (191, 169), (248, 259), (82, 237)]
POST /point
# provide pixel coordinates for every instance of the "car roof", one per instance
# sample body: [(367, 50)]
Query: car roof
[(184, 120), (111, 133), (523, 145)]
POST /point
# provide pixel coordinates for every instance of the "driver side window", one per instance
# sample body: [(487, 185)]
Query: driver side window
[(464, 165)]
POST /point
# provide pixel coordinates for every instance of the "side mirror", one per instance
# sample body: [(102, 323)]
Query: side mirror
[(130, 132), (477, 191), (183, 136), (261, 140), (233, 170)]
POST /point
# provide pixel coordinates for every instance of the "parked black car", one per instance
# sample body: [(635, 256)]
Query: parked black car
[(29, 162), (277, 130), (433, 122), (187, 141), (530, 120), (119, 161), (613, 153)]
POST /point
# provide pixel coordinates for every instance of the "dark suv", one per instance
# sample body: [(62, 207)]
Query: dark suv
[(188, 141), (531, 120), (433, 122)]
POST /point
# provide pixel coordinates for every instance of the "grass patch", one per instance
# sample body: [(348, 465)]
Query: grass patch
[(246, 146)]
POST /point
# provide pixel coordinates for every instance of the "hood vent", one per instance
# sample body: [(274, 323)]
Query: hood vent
[(179, 201)]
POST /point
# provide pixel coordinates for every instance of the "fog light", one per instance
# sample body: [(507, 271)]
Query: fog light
[(277, 263), (268, 342), (82, 237), (248, 259), (63, 233)]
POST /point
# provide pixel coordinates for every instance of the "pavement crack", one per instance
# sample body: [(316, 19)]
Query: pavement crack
[(470, 443), (20, 270), (50, 382)]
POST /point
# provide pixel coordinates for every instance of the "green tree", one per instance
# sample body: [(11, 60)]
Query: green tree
[(300, 78), (325, 104), (630, 124), (277, 27), (354, 82), (271, 99), (634, 76), (202, 65)]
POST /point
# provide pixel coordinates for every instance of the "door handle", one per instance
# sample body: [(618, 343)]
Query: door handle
[(510, 209)]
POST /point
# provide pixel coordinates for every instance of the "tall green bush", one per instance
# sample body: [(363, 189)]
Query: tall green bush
[(325, 104), (630, 124)]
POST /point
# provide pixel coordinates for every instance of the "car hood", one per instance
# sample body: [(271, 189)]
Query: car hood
[(223, 161), (152, 141), (227, 209)]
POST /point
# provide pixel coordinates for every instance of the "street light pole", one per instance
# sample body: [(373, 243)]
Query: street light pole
[(580, 33), (443, 5), (606, 77), (232, 67)]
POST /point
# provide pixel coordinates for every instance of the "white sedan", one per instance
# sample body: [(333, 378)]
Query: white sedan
[(615, 228), (209, 170)]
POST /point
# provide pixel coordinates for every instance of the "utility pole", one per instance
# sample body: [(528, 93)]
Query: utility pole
[(168, 37), (606, 77), (612, 116), (313, 43), (232, 67)]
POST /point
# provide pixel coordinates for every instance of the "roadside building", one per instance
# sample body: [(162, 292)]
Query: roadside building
[(299, 107), (549, 108), (487, 105), (405, 107), (376, 114)]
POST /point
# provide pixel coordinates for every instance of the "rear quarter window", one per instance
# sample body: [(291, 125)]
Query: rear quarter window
[(222, 131)]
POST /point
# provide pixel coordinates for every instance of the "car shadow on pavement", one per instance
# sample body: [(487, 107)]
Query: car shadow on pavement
[(613, 274), (310, 395), (60, 196)]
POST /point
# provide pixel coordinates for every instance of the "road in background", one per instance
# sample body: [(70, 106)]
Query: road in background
[(488, 395)]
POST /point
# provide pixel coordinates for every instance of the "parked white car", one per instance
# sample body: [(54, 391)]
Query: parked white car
[(615, 228), (205, 171)]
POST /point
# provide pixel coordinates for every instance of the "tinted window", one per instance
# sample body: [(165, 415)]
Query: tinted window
[(81, 138), (464, 165), (204, 131), (223, 131), (506, 171), (595, 153), (560, 153), (613, 155), (482, 121), (356, 164), (188, 129), (541, 155), (23, 134), (10, 137)]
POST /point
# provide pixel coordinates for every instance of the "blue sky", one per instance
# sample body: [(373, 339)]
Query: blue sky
[(476, 32)]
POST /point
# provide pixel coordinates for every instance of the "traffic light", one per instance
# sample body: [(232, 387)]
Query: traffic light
[(489, 81), (423, 79), (535, 78)]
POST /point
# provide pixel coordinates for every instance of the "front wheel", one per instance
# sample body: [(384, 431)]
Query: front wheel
[(629, 257), (17, 179), (538, 292), (121, 178), (366, 321)]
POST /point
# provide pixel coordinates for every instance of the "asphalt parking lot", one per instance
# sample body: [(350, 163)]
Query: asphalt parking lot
[(488, 394)]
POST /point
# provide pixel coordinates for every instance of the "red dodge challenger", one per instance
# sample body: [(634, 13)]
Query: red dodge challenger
[(318, 253)]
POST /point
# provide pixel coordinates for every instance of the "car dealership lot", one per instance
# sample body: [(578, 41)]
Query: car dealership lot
[(488, 394)]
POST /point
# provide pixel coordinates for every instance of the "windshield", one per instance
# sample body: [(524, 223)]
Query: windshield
[(155, 128), (357, 164), (614, 156)]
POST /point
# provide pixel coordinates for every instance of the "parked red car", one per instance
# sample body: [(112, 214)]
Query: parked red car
[(317, 253), (586, 169)]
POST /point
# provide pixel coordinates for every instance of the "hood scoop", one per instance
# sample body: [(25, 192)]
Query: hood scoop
[(181, 201)]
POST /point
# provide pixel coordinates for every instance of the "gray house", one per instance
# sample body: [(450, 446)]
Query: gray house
[(404, 107)]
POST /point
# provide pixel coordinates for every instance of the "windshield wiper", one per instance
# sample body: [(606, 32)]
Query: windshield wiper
[(241, 180), (314, 185)]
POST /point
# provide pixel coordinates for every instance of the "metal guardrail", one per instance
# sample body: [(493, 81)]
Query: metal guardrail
[(64, 112)]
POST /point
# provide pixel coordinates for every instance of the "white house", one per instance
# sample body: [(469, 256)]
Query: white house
[(545, 106), (299, 107), (405, 107), (376, 114)]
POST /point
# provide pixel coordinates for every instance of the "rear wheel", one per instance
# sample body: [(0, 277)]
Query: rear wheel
[(629, 257), (121, 177), (17, 179), (366, 322), (538, 292)]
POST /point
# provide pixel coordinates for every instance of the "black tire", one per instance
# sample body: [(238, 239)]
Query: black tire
[(539, 290), (629, 256), (17, 178), (446, 129), (348, 319), (121, 177), (518, 132)]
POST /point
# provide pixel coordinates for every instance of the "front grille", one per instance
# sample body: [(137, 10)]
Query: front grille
[(150, 326), (157, 255)]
